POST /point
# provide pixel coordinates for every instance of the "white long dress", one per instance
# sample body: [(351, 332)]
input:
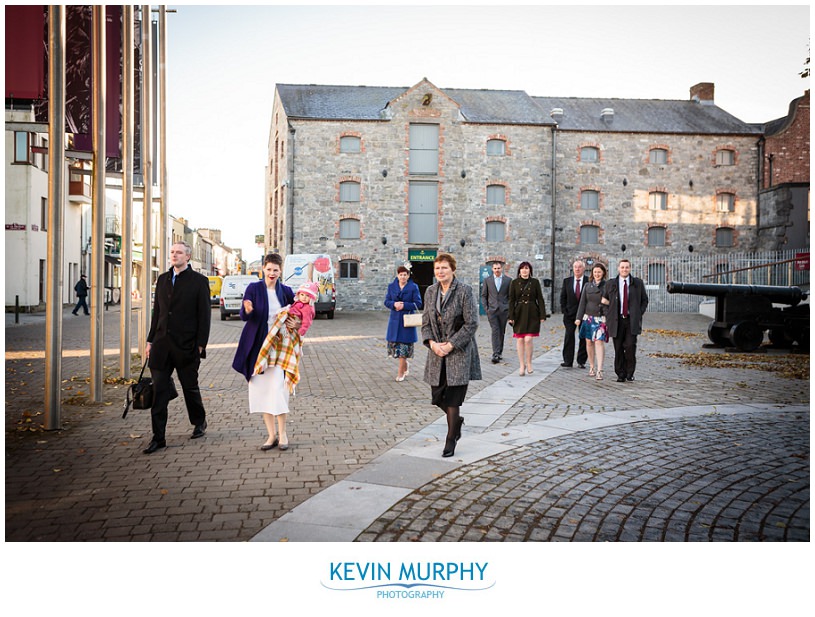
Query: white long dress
[(268, 392)]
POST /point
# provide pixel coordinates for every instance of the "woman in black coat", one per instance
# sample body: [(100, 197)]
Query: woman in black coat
[(527, 310)]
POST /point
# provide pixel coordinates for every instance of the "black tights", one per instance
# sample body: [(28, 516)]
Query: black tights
[(453, 422)]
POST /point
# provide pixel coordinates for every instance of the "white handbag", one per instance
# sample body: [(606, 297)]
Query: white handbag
[(413, 320)]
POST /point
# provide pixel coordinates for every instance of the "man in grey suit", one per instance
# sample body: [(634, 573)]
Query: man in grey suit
[(495, 298)]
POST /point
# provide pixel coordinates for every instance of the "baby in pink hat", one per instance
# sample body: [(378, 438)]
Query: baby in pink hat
[(302, 306)]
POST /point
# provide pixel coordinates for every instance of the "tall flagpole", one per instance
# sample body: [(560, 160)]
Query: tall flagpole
[(127, 191), (98, 208), (56, 205)]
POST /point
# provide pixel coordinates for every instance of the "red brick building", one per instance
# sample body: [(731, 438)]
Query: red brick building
[(784, 193)]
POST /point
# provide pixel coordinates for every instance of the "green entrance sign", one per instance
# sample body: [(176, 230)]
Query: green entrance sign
[(421, 254)]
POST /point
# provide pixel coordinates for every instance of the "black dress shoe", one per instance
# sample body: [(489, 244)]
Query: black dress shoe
[(565, 365), (581, 366), (630, 378), (449, 448), (621, 379), (199, 430), (458, 430), (495, 360), (156, 444), (269, 446)]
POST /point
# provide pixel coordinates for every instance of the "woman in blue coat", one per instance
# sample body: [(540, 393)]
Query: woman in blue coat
[(403, 298), (268, 394)]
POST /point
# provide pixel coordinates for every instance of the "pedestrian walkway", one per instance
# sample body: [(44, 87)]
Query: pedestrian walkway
[(409, 493), (716, 445)]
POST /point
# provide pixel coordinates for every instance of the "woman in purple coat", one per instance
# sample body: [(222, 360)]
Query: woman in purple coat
[(268, 393), (403, 298)]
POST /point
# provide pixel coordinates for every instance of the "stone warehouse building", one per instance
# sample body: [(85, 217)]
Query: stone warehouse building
[(377, 176)]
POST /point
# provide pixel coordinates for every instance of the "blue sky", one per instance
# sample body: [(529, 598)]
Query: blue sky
[(224, 62)]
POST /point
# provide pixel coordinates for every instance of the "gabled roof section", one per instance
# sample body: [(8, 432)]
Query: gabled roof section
[(774, 127), (643, 116), (315, 102)]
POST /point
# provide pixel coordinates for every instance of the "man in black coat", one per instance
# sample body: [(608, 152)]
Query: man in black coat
[(177, 341), (569, 301), (81, 289), (627, 303), (495, 299)]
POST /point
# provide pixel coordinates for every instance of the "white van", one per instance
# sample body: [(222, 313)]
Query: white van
[(232, 290), (316, 267)]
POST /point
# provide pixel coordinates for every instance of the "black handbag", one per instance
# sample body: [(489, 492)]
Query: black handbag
[(140, 394)]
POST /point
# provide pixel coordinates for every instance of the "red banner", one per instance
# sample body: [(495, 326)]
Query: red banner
[(25, 53), (802, 261)]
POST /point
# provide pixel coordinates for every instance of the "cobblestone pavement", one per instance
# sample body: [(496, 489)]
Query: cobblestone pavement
[(90, 481)]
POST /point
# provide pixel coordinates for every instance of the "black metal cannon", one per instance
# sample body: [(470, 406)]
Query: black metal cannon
[(745, 312)]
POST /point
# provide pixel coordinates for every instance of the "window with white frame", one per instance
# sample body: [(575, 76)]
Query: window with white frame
[(495, 231), (657, 200), (589, 154), (726, 202), (349, 191), (349, 269), (589, 200), (725, 157), (658, 156), (724, 237), (349, 229), (496, 195), (656, 236), (496, 147), (589, 234), (350, 143)]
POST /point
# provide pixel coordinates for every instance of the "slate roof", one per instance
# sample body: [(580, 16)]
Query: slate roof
[(335, 102), (644, 116), (319, 102), (368, 102)]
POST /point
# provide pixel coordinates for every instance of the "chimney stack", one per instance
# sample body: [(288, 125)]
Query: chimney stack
[(702, 93)]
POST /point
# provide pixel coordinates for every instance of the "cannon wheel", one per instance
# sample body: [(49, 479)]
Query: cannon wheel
[(717, 335), (747, 335)]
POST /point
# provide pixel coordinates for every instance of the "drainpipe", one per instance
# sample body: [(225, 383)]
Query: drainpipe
[(290, 183), (759, 184), (553, 215)]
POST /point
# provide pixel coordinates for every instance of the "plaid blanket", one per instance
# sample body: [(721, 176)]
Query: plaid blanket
[(281, 348)]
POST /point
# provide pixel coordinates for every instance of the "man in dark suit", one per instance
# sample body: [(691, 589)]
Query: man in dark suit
[(177, 341), (495, 298), (627, 302), (569, 300)]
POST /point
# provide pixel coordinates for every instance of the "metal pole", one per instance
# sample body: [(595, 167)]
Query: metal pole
[(56, 202), (127, 191), (147, 171), (163, 255), (553, 212), (98, 207)]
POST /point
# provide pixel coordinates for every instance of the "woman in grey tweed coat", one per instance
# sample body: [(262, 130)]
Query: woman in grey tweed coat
[(449, 322)]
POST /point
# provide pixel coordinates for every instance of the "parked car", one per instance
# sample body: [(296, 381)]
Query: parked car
[(232, 290), (315, 267)]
